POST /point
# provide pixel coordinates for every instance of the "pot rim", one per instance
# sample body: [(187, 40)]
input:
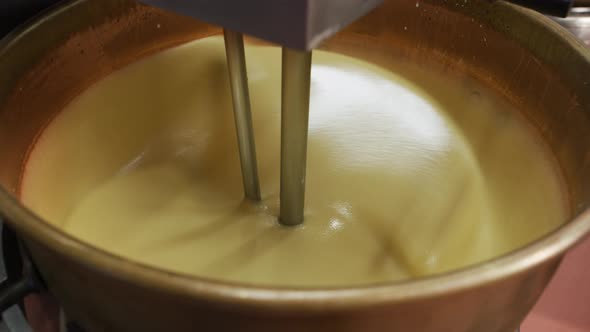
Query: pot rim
[(550, 247)]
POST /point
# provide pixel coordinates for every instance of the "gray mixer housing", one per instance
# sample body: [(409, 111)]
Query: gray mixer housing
[(297, 24)]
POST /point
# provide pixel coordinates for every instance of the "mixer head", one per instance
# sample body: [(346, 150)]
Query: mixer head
[(297, 24)]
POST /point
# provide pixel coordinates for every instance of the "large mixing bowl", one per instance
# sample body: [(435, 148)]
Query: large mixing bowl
[(521, 54)]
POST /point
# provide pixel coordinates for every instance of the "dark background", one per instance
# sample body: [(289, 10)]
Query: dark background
[(15, 12)]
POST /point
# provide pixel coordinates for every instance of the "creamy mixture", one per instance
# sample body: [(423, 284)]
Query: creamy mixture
[(410, 173)]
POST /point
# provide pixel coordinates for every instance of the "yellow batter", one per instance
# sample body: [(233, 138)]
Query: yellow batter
[(401, 183)]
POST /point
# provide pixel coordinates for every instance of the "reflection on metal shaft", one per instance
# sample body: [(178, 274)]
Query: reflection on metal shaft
[(294, 127), (236, 61)]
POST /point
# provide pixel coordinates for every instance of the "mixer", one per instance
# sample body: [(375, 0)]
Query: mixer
[(298, 26)]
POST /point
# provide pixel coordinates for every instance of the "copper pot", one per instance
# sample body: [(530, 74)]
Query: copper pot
[(525, 56)]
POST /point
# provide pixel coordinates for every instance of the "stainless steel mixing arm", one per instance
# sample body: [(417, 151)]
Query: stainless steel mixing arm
[(296, 24)]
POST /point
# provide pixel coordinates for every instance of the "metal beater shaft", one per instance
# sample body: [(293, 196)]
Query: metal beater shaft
[(236, 62), (296, 74)]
